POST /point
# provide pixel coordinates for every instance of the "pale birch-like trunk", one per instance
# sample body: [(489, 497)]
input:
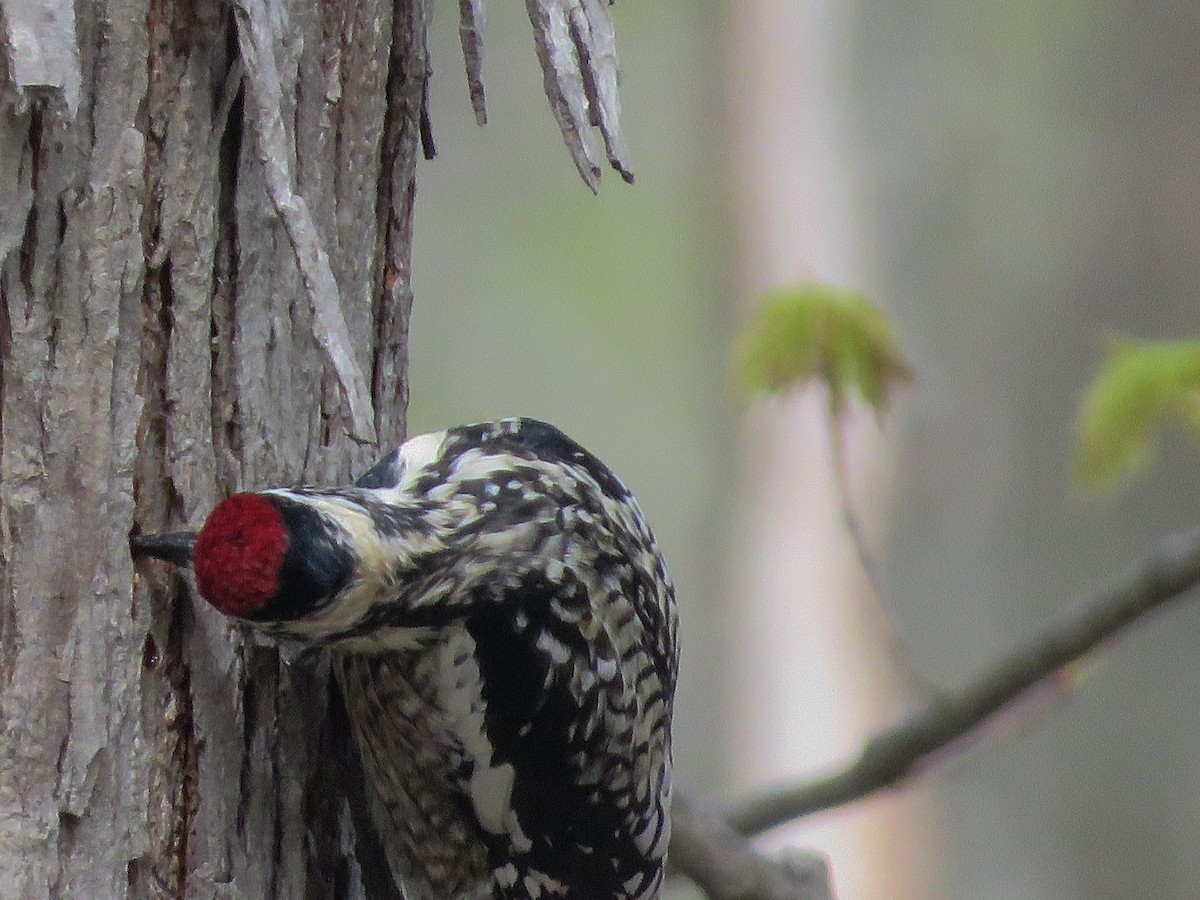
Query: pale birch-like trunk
[(809, 642), (157, 352)]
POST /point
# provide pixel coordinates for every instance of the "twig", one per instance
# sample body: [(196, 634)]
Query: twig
[(898, 648), (916, 744), (265, 95), (725, 866)]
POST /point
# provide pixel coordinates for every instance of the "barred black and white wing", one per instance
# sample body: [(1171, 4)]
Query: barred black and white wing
[(538, 665)]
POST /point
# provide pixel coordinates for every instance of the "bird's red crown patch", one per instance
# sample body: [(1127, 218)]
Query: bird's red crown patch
[(239, 553)]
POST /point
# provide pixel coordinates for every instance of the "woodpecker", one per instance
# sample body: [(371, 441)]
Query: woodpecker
[(503, 629)]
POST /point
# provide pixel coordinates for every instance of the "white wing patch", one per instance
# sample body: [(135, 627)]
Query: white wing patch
[(418, 452), (490, 784)]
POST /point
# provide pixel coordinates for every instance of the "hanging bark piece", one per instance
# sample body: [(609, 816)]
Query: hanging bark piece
[(563, 81), (329, 323), (577, 49), (575, 46), (595, 42), (472, 21)]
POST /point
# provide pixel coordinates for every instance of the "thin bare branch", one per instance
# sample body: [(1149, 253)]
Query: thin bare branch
[(725, 866), (918, 743), (898, 649), (265, 97)]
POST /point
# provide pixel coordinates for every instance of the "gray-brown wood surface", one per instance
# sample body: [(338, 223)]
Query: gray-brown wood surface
[(158, 351)]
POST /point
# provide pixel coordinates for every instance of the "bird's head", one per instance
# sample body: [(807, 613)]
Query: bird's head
[(261, 557)]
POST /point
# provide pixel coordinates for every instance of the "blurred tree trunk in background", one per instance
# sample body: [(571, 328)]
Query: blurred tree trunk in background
[(157, 353), (815, 673)]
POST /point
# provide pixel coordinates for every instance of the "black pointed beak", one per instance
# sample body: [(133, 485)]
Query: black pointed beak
[(175, 547)]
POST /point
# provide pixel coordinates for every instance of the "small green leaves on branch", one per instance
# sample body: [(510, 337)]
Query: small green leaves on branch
[(816, 332), (1141, 388)]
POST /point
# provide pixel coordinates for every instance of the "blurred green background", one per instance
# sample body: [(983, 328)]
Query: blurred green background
[(1025, 179)]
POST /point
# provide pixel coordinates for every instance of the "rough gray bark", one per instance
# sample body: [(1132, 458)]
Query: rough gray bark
[(157, 351)]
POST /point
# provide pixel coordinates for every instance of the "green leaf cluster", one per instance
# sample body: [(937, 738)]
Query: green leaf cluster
[(816, 332), (1141, 388)]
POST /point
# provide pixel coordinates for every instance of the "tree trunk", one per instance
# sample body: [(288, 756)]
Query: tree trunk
[(804, 595), (159, 350)]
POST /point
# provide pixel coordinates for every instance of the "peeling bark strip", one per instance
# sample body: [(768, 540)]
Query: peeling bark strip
[(329, 325), (408, 69), (578, 54), (472, 21), (577, 49)]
